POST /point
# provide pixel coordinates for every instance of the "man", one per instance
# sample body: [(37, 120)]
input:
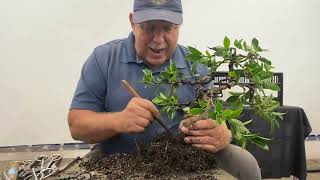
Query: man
[(103, 112)]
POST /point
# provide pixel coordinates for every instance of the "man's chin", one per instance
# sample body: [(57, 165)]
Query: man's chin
[(156, 62)]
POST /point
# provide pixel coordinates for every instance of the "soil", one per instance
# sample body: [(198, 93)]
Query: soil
[(164, 158)]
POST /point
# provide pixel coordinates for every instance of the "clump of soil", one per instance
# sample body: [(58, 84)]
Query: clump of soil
[(164, 158)]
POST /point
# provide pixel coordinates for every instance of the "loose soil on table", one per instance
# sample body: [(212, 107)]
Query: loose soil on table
[(165, 158)]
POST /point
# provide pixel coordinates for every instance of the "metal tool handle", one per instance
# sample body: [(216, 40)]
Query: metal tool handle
[(69, 164), (134, 93)]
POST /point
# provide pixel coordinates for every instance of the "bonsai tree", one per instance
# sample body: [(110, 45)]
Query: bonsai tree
[(167, 157), (243, 60)]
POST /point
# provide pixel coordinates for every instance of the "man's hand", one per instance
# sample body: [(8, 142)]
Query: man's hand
[(206, 134), (137, 115)]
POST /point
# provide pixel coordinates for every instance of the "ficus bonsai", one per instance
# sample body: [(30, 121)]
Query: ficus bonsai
[(243, 60)]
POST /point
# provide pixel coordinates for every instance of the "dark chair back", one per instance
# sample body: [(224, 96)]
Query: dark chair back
[(276, 78)]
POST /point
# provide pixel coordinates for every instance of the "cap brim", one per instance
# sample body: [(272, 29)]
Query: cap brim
[(157, 14)]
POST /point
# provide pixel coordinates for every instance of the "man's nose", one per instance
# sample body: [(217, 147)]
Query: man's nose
[(159, 36)]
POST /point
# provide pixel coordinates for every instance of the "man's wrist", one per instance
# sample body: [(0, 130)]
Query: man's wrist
[(113, 122)]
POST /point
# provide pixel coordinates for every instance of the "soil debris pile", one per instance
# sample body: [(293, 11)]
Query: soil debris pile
[(164, 158)]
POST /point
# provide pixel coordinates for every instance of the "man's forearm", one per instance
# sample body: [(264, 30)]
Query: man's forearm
[(92, 127)]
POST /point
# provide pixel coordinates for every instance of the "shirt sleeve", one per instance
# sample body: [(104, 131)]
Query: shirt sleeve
[(91, 89)]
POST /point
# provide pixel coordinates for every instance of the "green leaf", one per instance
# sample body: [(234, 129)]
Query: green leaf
[(232, 99), (247, 122), (171, 113), (246, 47), (247, 95), (219, 119), (157, 101), (271, 86), (256, 79), (193, 57), (164, 75), (218, 106), (186, 109), (194, 51), (278, 114), (227, 113), (243, 144), (147, 71), (173, 67), (255, 43), (203, 104), (259, 49), (237, 103), (194, 67), (261, 142), (208, 54), (235, 93), (163, 96), (236, 113), (238, 44), (212, 114), (219, 48), (265, 60), (238, 135), (148, 77), (174, 99), (262, 138), (226, 42), (267, 66), (232, 74), (196, 111)]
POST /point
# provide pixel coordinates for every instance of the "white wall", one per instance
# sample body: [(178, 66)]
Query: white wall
[(43, 44)]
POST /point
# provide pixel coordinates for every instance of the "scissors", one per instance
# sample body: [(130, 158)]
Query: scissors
[(65, 167), (55, 160), (52, 165), (27, 166), (38, 169), (43, 174)]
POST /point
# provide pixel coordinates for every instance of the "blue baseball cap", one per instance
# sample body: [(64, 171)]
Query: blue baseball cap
[(167, 10)]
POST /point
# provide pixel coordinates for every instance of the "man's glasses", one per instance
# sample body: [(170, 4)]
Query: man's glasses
[(153, 28)]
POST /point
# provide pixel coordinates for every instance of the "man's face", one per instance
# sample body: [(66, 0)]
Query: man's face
[(155, 40)]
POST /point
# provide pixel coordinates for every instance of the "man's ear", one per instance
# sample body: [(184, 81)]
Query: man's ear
[(131, 20)]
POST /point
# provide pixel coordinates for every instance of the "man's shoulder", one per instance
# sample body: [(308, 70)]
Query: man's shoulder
[(180, 53), (184, 50), (115, 50), (113, 45)]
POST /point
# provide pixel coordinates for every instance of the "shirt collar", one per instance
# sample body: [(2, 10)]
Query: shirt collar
[(133, 58)]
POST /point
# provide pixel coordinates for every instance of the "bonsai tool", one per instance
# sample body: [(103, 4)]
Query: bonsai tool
[(135, 94), (28, 165), (37, 169), (55, 160), (65, 167)]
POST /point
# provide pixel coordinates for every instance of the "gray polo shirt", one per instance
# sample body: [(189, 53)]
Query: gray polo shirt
[(99, 88)]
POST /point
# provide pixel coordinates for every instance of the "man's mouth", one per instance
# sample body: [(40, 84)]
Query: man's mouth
[(157, 51)]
